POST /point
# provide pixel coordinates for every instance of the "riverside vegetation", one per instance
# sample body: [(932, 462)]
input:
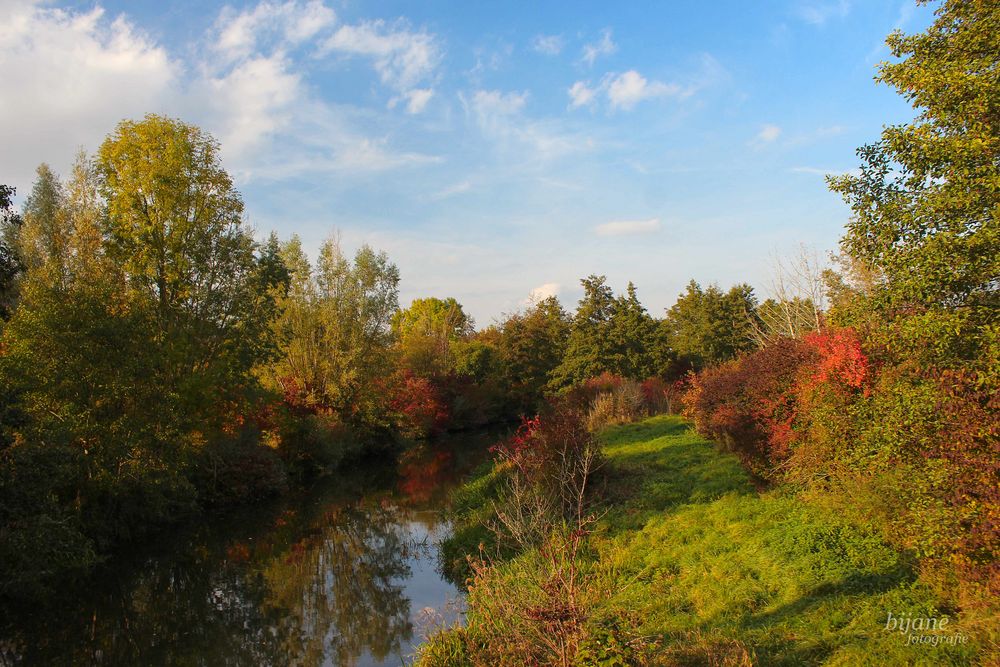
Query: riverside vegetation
[(157, 362), (837, 475)]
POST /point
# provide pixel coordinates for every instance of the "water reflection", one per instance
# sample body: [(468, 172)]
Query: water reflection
[(340, 575)]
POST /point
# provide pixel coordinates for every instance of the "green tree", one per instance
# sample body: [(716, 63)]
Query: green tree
[(637, 346), (426, 332), (174, 226), (10, 258), (588, 344), (532, 345), (707, 326), (335, 328), (610, 334), (926, 205)]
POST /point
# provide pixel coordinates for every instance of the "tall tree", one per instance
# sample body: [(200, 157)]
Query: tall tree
[(637, 346), (175, 228), (426, 332), (588, 345), (532, 345), (335, 327), (706, 326), (926, 205)]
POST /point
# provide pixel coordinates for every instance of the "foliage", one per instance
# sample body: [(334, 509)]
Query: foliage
[(417, 406), (426, 332), (709, 326), (334, 328), (926, 206), (139, 318), (610, 334), (10, 260), (532, 344), (689, 555)]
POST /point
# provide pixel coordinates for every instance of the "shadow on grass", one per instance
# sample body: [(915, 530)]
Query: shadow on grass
[(661, 464)]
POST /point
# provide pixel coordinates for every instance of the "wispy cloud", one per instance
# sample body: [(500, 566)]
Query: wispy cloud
[(628, 89), (818, 12), (416, 100), (403, 58), (605, 46), (581, 94), (628, 227), (238, 34), (768, 134), (550, 45), (452, 190)]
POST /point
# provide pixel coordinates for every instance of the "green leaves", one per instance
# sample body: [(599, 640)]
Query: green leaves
[(926, 204)]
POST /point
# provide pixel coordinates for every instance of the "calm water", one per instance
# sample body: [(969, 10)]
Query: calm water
[(343, 573)]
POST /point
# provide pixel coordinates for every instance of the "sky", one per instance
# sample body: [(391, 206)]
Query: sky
[(497, 151)]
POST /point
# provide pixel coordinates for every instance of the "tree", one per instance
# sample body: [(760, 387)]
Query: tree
[(610, 335), (707, 326), (10, 259), (532, 345), (637, 347), (926, 205), (426, 332), (588, 345), (174, 226), (798, 299), (335, 328)]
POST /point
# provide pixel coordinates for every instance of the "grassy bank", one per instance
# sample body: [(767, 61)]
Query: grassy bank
[(700, 568)]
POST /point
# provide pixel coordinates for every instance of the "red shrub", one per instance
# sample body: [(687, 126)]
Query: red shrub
[(417, 405), (841, 358), (749, 404)]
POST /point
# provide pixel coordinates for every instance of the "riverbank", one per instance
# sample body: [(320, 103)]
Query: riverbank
[(689, 564)]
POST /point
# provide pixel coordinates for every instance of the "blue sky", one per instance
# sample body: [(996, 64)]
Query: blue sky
[(494, 150)]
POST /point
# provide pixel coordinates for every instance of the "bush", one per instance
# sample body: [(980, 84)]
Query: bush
[(417, 406), (239, 470), (910, 448)]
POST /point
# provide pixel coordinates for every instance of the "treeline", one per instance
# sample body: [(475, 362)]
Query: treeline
[(156, 360)]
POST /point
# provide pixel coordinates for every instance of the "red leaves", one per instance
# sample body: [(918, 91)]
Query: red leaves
[(754, 403), (841, 358), (418, 404)]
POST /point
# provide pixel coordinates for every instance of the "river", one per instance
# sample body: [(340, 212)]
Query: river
[(344, 572)]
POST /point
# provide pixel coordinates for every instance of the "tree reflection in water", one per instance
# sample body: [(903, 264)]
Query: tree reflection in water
[(307, 581)]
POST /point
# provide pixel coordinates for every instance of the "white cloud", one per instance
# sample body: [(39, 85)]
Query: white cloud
[(768, 134), (239, 34), (818, 12), (581, 94), (76, 74), (416, 100), (402, 58), (603, 47), (69, 77), (628, 227), (250, 102), (541, 292), (628, 89), (550, 45), (499, 116), (452, 190), (494, 102)]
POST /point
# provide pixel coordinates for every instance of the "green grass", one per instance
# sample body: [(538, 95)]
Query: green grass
[(716, 569), (700, 556)]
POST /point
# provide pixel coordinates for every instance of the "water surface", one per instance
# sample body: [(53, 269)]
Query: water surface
[(344, 572)]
